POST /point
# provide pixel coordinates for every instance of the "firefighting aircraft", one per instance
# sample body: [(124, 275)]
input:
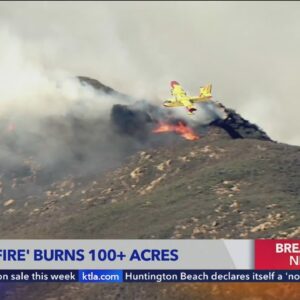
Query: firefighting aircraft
[(180, 97)]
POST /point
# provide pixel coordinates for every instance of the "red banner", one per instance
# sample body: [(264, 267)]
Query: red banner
[(277, 254)]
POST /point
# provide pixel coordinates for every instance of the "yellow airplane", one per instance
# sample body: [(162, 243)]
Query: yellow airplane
[(180, 98)]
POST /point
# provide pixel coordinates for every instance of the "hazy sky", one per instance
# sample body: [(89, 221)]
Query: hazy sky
[(249, 51)]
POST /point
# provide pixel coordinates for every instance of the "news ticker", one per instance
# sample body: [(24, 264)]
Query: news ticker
[(122, 255), (124, 276)]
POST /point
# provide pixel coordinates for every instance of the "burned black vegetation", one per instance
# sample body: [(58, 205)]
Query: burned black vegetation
[(135, 123), (239, 128)]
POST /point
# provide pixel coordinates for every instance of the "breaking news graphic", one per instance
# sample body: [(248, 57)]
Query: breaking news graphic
[(149, 150)]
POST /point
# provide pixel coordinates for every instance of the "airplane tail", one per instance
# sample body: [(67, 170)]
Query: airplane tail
[(205, 91)]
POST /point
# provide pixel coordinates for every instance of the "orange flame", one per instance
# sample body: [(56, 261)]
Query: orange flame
[(180, 128)]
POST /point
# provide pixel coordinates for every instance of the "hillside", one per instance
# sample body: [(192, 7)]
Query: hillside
[(233, 182), (211, 188)]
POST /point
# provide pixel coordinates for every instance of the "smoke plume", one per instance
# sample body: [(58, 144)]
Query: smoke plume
[(248, 51), (62, 121)]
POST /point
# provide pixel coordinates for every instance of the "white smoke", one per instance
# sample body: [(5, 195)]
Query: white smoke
[(48, 114), (248, 51), (29, 89)]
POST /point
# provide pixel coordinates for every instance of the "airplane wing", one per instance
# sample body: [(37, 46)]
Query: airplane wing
[(204, 95), (173, 103)]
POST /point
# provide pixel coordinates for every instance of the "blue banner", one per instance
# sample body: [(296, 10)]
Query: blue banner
[(119, 276), (38, 275), (211, 276), (104, 276)]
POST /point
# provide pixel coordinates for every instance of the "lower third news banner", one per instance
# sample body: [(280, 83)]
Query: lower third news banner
[(117, 261)]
